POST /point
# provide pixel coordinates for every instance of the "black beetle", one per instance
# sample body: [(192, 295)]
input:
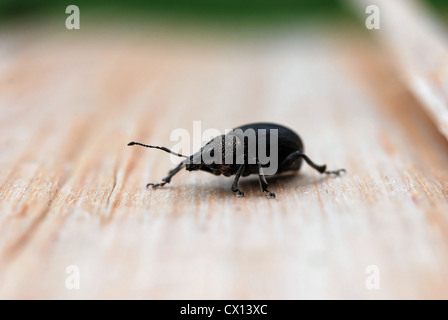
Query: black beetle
[(289, 155)]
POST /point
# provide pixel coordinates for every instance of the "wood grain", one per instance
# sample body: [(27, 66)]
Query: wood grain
[(73, 193)]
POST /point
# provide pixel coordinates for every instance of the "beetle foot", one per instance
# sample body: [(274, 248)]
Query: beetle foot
[(269, 194), (155, 185), (336, 172), (239, 193)]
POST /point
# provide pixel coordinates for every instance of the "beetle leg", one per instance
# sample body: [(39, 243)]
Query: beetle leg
[(322, 169), (167, 179), (263, 182), (235, 189)]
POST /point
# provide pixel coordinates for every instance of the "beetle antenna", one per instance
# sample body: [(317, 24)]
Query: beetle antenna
[(157, 147)]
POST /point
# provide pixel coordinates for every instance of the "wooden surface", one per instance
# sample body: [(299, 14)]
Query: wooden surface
[(416, 42), (73, 193)]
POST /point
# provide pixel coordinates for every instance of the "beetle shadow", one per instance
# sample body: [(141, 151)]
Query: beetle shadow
[(283, 182), (251, 187)]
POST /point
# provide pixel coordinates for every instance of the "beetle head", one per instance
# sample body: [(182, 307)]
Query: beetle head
[(218, 154)]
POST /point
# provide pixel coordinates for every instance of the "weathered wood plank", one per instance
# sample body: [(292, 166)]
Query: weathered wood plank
[(416, 42), (72, 193)]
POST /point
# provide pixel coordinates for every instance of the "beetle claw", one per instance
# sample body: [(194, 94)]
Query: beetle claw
[(270, 195), (336, 172), (239, 193), (155, 185)]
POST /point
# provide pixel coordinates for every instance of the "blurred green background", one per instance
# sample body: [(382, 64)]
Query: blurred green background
[(210, 12), (206, 10)]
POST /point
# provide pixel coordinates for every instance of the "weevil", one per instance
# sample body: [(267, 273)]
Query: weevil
[(288, 146)]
